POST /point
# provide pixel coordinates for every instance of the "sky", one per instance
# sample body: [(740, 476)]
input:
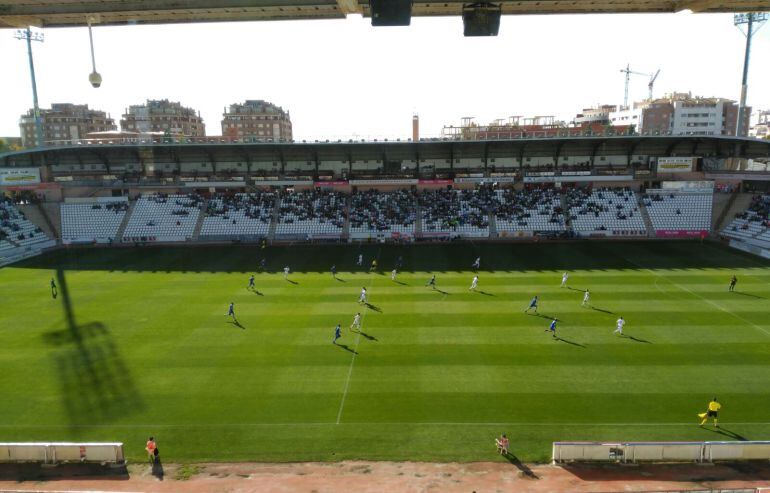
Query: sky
[(346, 79)]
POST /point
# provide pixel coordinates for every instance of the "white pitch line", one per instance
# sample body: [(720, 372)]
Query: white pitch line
[(355, 349), (350, 372), (688, 290)]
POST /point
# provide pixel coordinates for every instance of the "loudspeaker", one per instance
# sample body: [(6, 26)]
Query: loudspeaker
[(391, 12), (481, 19)]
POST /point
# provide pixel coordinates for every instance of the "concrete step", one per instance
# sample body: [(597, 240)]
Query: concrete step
[(199, 224), (52, 211), (126, 218), (346, 226), (276, 218), (418, 221), (734, 204), (37, 216), (565, 212), (492, 225), (645, 216)]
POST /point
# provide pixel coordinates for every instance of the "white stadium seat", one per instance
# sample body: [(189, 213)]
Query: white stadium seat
[(679, 210), (612, 212), (163, 218), (97, 221), (533, 210), (241, 214), (312, 213)]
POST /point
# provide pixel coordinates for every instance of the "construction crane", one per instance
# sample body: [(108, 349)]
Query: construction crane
[(628, 73), (652, 82)]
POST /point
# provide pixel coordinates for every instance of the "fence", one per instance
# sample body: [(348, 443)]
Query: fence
[(630, 452), (56, 452)]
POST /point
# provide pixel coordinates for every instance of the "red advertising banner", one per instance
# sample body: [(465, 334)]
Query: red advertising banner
[(680, 233), (437, 182), (339, 183)]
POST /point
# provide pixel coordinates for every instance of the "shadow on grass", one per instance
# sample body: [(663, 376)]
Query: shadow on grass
[(576, 289), (258, 293), (544, 315), (573, 343), (485, 293), (367, 336), (597, 309), (440, 291), (750, 295), (96, 383), (635, 339), (292, 282), (236, 323), (727, 433), (339, 279), (544, 256), (346, 348), (373, 307), (401, 283)]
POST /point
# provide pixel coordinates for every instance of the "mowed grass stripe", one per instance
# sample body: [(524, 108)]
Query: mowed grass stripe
[(436, 377)]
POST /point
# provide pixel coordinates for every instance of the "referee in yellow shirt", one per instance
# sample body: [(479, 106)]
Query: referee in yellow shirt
[(712, 412)]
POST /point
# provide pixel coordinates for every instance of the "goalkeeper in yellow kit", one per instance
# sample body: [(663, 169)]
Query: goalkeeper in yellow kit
[(712, 412)]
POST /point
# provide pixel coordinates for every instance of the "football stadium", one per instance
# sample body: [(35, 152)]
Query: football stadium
[(577, 298)]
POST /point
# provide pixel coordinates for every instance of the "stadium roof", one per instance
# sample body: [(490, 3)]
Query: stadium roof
[(57, 13), (705, 146)]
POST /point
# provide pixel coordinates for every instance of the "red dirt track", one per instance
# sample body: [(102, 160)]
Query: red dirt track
[(403, 477)]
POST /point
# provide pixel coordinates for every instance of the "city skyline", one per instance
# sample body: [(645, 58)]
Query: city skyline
[(353, 79)]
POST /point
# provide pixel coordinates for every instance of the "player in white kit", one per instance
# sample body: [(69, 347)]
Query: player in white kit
[(474, 283), (620, 323), (356, 322)]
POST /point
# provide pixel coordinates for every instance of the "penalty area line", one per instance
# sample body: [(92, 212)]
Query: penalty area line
[(688, 290)]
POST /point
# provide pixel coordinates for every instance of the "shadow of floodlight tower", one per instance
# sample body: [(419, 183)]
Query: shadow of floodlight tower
[(753, 22)]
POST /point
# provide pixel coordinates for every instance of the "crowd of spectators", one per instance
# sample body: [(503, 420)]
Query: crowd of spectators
[(317, 205), (116, 207), (604, 209), (14, 225), (618, 202), (534, 208), (453, 210), (383, 211), (257, 206)]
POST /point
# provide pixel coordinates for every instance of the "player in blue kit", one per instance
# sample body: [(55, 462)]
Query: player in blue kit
[(552, 328), (532, 304)]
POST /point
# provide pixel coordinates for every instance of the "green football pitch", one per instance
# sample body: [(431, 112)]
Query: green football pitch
[(137, 343)]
